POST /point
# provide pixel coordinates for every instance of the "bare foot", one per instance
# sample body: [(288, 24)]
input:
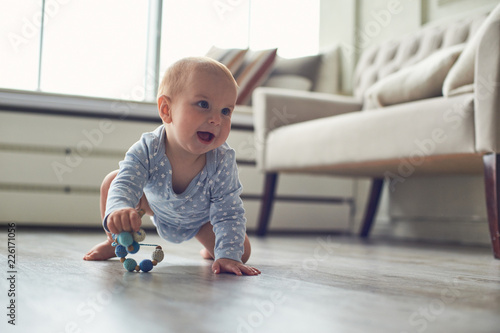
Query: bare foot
[(101, 251), (206, 255)]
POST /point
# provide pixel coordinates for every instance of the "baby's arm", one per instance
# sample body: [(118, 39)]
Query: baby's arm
[(227, 216), (126, 190)]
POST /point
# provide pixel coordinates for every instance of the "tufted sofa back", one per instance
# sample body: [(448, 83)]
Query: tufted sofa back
[(380, 60)]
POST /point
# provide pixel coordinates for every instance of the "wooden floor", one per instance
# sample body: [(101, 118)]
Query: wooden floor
[(308, 284)]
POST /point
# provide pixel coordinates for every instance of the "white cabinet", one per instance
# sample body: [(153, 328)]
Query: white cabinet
[(52, 165)]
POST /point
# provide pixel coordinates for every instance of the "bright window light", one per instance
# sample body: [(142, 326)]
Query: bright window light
[(290, 25), (191, 28), (20, 43), (99, 48), (96, 48)]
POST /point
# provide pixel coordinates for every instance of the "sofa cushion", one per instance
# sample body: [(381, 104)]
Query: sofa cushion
[(416, 131), (369, 65), (406, 50), (294, 73), (322, 71), (306, 67), (383, 59), (419, 81), (429, 40), (461, 76)]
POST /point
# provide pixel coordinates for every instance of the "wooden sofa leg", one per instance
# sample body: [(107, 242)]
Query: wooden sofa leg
[(267, 203), (492, 186), (371, 207)]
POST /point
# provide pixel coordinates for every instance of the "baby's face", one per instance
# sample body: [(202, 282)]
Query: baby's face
[(201, 113)]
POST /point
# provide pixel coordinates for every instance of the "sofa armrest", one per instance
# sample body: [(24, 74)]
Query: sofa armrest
[(487, 91), (275, 107)]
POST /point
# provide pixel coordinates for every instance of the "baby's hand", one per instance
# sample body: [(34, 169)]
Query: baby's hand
[(126, 219), (232, 266)]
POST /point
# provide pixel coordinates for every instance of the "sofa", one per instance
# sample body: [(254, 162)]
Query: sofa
[(424, 104)]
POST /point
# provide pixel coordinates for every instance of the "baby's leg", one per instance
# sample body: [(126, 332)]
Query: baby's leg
[(206, 237), (105, 250)]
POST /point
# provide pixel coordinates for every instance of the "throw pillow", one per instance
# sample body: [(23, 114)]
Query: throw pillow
[(461, 76), (232, 58), (306, 67), (294, 73), (419, 81), (255, 70)]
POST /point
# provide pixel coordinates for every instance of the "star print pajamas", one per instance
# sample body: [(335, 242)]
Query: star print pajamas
[(212, 196)]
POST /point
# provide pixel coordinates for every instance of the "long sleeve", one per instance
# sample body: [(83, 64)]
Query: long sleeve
[(227, 214), (127, 188)]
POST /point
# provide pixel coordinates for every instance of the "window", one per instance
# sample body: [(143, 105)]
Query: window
[(187, 32), (20, 44), (100, 48), (290, 25), (96, 48)]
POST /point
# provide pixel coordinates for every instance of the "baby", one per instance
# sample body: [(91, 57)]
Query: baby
[(184, 174)]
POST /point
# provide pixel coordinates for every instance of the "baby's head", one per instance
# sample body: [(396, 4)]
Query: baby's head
[(177, 75), (196, 99)]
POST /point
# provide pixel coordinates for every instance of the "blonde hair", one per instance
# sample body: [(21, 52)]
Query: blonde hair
[(175, 76)]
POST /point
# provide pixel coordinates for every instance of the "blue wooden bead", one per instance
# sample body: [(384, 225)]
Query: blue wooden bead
[(125, 239), (134, 248), (146, 265), (130, 264), (121, 251)]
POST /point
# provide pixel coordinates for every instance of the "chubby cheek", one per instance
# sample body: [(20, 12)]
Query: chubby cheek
[(224, 133)]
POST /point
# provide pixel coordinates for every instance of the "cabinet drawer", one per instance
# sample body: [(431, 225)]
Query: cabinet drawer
[(54, 209), (49, 208), (243, 143), (295, 216), (54, 169), (300, 184), (76, 133), (296, 185)]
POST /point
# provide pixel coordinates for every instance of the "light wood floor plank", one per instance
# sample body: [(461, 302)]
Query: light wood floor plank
[(308, 284)]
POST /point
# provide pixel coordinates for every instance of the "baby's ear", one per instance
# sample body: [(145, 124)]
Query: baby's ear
[(164, 104)]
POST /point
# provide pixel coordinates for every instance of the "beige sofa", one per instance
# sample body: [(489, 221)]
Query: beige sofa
[(424, 104)]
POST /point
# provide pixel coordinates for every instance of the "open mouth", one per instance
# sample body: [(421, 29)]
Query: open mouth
[(205, 137)]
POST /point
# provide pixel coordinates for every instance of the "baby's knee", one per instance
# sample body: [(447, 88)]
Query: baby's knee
[(245, 257), (247, 249)]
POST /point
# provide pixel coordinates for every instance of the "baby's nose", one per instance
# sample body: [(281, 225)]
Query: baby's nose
[(215, 118)]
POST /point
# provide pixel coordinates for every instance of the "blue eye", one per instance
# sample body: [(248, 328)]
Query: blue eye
[(203, 104), (226, 111)]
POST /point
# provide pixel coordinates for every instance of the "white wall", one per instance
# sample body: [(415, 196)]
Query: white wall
[(337, 27), (433, 10)]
